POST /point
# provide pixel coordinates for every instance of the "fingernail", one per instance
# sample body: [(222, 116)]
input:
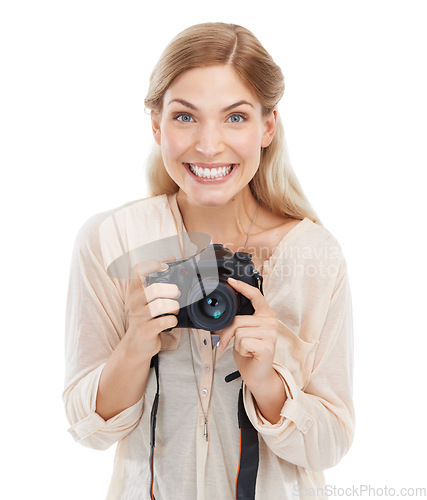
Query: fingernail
[(232, 280)]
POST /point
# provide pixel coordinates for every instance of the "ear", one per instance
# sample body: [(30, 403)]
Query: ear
[(155, 126), (269, 129)]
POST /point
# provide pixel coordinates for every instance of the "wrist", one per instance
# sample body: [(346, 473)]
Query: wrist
[(134, 350), (262, 384), (269, 396)]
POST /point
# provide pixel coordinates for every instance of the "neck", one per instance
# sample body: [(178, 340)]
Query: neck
[(227, 222)]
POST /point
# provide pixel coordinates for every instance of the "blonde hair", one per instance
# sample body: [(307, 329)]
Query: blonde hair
[(275, 184)]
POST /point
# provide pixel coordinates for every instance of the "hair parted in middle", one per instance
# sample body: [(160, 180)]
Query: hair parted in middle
[(274, 185)]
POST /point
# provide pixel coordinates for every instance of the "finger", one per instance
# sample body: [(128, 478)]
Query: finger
[(163, 306), (227, 333), (253, 323), (253, 348), (242, 333), (161, 290), (165, 322), (253, 293), (268, 338)]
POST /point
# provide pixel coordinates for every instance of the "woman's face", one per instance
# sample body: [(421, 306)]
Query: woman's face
[(211, 131)]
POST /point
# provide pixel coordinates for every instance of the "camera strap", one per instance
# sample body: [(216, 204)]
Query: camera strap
[(249, 446), (249, 455), (249, 450), (153, 420)]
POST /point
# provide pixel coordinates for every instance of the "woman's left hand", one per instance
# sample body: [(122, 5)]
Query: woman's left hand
[(255, 337)]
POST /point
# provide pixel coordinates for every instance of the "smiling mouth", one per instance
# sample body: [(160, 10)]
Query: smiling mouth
[(211, 173)]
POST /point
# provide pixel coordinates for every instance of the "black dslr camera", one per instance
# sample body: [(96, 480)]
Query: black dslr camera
[(207, 301)]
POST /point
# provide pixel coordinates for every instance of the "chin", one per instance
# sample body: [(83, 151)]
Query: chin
[(210, 199)]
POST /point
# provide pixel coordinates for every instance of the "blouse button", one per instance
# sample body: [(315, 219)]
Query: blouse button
[(204, 392), (206, 368)]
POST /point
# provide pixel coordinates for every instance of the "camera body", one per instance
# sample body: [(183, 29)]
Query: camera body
[(207, 301)]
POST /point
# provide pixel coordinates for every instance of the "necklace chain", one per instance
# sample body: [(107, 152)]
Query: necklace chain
[(252, 223), (205, 431)]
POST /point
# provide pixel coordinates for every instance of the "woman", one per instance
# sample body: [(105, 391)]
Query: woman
[(219, 167)]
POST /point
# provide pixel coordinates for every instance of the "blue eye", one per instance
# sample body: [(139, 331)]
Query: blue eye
[(183, 117), (237, 118)]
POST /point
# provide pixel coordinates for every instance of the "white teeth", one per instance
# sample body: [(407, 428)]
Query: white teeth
[(210, 173)]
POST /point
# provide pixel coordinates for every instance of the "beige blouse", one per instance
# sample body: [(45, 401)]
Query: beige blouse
[(305, 282)]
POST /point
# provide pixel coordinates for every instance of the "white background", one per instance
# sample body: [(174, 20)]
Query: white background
[(74, 139)]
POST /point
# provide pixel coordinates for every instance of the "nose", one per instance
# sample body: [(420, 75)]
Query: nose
[(209, 141)]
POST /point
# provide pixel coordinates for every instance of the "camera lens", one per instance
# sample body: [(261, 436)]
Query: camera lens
[(213, 306), (214, 311)]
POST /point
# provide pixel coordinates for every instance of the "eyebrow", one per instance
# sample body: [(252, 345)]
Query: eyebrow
[(194, 108)]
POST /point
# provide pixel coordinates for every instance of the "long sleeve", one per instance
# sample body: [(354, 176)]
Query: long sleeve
[(305, 282), (317, 420), (95, 324)]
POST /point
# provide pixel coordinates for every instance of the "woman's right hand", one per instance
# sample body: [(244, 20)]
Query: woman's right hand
[(145, 305)]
